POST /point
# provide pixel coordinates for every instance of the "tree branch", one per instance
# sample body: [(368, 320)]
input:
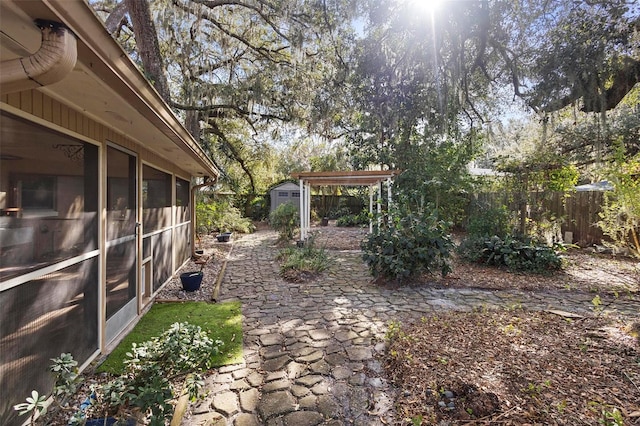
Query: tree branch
[(234, 154), (116, 18), (259, 10), (269, 54), (218, 108), (624, 79)]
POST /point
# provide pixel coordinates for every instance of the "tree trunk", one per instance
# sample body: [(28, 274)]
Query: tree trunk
[(192, 124), (148, 46)]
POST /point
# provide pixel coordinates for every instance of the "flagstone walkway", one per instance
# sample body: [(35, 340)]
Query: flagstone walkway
[(310, 348)]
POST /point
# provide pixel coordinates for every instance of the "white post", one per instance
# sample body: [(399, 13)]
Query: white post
[(308, 210), (379, 204), (370, 208), (302, 208)]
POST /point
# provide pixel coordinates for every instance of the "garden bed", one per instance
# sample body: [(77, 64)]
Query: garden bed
[(515, 368)]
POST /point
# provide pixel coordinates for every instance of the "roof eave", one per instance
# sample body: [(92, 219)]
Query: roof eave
[(124, 77)]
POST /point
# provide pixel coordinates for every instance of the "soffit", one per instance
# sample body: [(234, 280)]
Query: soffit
[(105, 84)]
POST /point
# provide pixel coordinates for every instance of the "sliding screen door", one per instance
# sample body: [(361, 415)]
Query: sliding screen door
[(121, 288)]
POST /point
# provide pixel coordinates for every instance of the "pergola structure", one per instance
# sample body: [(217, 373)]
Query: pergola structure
[(370, 178)]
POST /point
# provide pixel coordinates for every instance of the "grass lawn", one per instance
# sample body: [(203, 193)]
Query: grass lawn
[(221, 321)]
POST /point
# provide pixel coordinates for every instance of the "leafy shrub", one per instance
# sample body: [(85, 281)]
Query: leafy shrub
[(146, 383), (300, 261), (354, 219), (490, 221), (340, 211), (407, 245), (221, 216), (470, 248), (67, 380), (259, 207), (620, 215), (513, 253), (184, 350), (285, 219)]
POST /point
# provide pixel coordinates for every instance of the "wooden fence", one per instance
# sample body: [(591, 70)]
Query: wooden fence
[(577, 212), (325, 204)]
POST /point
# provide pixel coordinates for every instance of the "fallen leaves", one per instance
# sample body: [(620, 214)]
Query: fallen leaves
[(550, 372)]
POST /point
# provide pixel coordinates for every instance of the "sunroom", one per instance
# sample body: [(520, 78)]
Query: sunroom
[(96, 184)]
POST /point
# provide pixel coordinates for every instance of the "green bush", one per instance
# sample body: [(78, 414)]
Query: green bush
[(340, 211), (354, 219), (150, 366), (620, 215), (221, 216), (470, 248), (490, 221), (259, 207), (407, 245), (285, 219), (512, 253)]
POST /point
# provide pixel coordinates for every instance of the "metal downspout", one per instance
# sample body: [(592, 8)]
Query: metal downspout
[(194, 188), (54, 60)]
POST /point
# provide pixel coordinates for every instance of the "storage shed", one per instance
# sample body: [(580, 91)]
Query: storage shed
[(287, 192)]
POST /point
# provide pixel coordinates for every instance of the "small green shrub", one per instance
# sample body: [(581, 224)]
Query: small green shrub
[(354, 219), (407, 245), (259, 207), (221, 216), (306, 260), (339, 211), (490, 221), (285, 219), (470, 248), (513, 253), (151, 366), (67, 380)]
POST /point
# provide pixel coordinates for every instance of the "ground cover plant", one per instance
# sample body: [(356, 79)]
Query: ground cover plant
[(221, 321), (515, 254), (359, 219), (301, 263), (515, 367), (154, 373)]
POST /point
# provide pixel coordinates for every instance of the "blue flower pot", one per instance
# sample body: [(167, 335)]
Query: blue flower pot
[(191, 280)]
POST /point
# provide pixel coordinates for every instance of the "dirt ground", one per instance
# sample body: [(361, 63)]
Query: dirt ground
[(515, 367), (582, 271)]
